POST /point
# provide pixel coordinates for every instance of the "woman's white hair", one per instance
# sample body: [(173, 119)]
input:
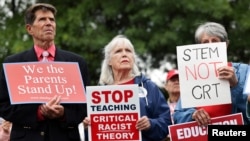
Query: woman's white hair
[(212, 29), (106, 76)]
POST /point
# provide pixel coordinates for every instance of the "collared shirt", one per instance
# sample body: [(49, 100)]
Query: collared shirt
[(172, 106), (51, 50), (51, 57)]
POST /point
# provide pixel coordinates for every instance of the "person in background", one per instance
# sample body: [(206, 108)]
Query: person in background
[(119, 68), (173, 88), (235, 73), (52, 121)]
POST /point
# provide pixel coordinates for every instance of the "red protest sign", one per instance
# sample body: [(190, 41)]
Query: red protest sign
[(191, 131), (113, 111), (36, 82), (114, 126)]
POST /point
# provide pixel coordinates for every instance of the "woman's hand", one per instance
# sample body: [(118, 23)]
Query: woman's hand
[(227, 73), (202, 117), (143, 123)]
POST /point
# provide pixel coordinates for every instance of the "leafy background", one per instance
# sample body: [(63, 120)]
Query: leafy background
[(155, 27)]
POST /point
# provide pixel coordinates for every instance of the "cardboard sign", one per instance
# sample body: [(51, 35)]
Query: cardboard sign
[(38, 82), (198, 76), (191, 131), (113, 111)]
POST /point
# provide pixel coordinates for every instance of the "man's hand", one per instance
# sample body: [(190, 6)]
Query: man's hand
[(53, 109)]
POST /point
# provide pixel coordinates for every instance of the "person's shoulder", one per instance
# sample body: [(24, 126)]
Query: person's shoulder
[(241, 69), (63, 51), (69, 54), (146, 81), (18, 56), (239, 64), (142, 78)]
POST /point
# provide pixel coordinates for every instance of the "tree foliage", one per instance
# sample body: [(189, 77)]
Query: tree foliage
[(155, 27)]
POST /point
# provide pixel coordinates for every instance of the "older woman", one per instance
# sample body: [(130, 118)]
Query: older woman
[(235, 73), (119, 68)]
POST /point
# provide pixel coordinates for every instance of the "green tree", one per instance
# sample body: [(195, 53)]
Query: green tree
[(155, 27)]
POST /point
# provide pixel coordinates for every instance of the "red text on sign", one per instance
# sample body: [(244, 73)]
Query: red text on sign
[(202, 70), (116, 96)]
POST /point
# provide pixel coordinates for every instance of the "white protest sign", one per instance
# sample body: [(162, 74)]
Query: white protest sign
[(113, 111), (247, 83), (199, 82)]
